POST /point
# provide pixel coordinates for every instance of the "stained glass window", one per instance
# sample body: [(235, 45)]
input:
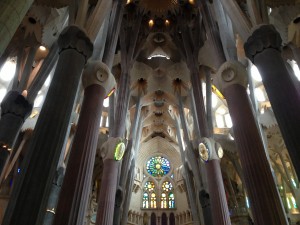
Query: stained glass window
[(146, 200), (153, 200), (171, 200), (167, 186), (163, 200), (149, 186), (167, 196), (149, 196), (158, 166)]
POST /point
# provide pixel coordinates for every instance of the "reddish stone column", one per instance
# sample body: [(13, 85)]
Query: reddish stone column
[(208, 153), (264, 198), (107, 192), (263, 48), (71, 208)]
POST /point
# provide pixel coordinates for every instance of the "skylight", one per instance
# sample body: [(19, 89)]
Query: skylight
[(255, 73), (8, 71), (159, 53)]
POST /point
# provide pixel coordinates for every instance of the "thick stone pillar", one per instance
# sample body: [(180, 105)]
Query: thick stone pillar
[(14, 110), (33, 186), (107, 192), (54, 195), (263, 49), (264, 198), (211, 153), (98, 82)]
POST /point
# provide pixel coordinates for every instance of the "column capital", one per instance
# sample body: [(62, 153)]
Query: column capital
[(96, 72), (231, 72), (108, 149), (263, 37), (72, 37), (209, 149), (16, 104)]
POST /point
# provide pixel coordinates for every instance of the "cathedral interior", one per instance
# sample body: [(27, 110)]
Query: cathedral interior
[(150, 112)]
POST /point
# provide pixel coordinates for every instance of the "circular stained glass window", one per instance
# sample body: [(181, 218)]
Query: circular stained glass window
[(158, 166)]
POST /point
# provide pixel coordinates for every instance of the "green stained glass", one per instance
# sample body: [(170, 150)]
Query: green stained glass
[(171, 200), (158, 166)]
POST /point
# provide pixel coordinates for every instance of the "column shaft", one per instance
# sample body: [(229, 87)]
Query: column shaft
[(217, 192), (107, 193), (284, 96), (76, 186), (264, 199), (33, 186)]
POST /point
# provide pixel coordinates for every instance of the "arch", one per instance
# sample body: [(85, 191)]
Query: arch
[(172, 219), (153, 219), (164, 219), (145, 219)]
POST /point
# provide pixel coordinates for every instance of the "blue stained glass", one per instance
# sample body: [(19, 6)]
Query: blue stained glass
[(158, 166)]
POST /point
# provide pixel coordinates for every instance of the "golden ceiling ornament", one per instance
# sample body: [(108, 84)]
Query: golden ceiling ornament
[(159, 7)]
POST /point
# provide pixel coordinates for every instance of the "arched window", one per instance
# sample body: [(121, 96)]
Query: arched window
[(167, 196), (149, 196), (172, 219), (164, 219), (153, 219), (158, 166)]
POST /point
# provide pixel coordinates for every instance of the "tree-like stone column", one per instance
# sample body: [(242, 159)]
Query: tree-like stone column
[(98, 82), (264, 198), (14, 110), (263, 48), (107, 193), (30, 194)]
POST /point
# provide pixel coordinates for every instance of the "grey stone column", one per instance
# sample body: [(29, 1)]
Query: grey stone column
[(131, 174), (32, 187), (98, 82), (187, 176), (263, 49), (14, 110), (263, 194)]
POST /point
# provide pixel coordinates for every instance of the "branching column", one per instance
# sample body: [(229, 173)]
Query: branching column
[(14, 110), (71, 208), (33, 186), (263, 49), (264, 199)]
